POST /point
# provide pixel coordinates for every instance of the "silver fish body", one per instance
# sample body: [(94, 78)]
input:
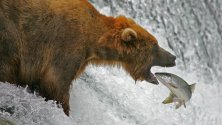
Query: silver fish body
[(181, 91)]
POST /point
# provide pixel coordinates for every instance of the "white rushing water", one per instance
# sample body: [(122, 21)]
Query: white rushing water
[(109, 96)]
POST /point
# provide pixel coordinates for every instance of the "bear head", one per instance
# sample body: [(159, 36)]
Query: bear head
[(131, 46)]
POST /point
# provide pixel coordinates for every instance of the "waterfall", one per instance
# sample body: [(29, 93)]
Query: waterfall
[(191, 29)]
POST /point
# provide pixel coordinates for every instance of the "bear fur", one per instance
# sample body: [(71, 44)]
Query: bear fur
[(46, 44)]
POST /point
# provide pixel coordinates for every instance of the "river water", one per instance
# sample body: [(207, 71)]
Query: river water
[(192, 30)]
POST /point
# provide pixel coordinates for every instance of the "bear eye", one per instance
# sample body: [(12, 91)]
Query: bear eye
[(155, 48)]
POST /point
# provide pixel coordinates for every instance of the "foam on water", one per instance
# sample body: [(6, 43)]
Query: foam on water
[(23, 108), (109, 96)]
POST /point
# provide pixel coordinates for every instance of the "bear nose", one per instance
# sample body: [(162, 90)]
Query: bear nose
[(173, 59)]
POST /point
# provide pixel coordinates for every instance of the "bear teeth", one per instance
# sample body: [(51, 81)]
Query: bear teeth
[(152, 79)]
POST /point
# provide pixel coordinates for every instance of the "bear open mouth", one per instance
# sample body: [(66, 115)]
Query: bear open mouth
[(151, 78)]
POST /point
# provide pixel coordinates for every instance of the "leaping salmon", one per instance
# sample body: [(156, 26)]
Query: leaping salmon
[(181, 91)]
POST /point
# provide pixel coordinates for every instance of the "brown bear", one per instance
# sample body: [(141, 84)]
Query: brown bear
[(46, 44)]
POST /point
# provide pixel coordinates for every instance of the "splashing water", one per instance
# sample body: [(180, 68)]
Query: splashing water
[(109, 96)]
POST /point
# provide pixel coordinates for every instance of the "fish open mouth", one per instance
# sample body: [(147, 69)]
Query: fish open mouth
[(150, 77)]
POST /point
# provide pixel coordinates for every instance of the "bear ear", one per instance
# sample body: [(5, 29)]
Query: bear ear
[(128, 34)]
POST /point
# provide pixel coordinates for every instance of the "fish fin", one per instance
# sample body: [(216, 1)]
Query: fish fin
[(171, 84), (169, 99), (192, 87), (179, 104)]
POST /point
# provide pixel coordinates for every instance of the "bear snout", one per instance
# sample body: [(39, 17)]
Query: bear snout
[(164, 58), (168, 60), (172, 60)]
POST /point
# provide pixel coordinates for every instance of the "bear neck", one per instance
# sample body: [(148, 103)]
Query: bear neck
[(104, 24)]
